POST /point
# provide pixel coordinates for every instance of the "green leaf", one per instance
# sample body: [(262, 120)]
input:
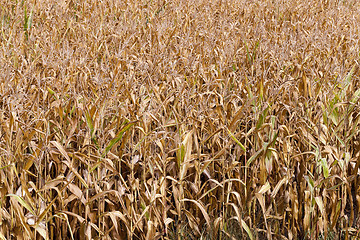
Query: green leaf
[(1, 168), (262, 117), (325, 167), (253, 157), (247, 229), (237, 141), (181, 154), (117, 138), (356, 96), (27, 21), (89, 123), (22, 202), (52, 93), (263, 149), (310, 181), (348, 78), (96, 166)]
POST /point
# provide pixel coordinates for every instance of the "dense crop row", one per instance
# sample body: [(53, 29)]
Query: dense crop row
[(227, 119)]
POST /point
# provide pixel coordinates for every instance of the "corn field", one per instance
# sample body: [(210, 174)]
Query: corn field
[(158, 119)]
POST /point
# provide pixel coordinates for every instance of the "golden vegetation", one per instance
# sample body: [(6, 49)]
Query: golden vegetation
[(179, 120)]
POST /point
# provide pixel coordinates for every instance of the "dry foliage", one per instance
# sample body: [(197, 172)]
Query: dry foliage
[(226, 119)]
